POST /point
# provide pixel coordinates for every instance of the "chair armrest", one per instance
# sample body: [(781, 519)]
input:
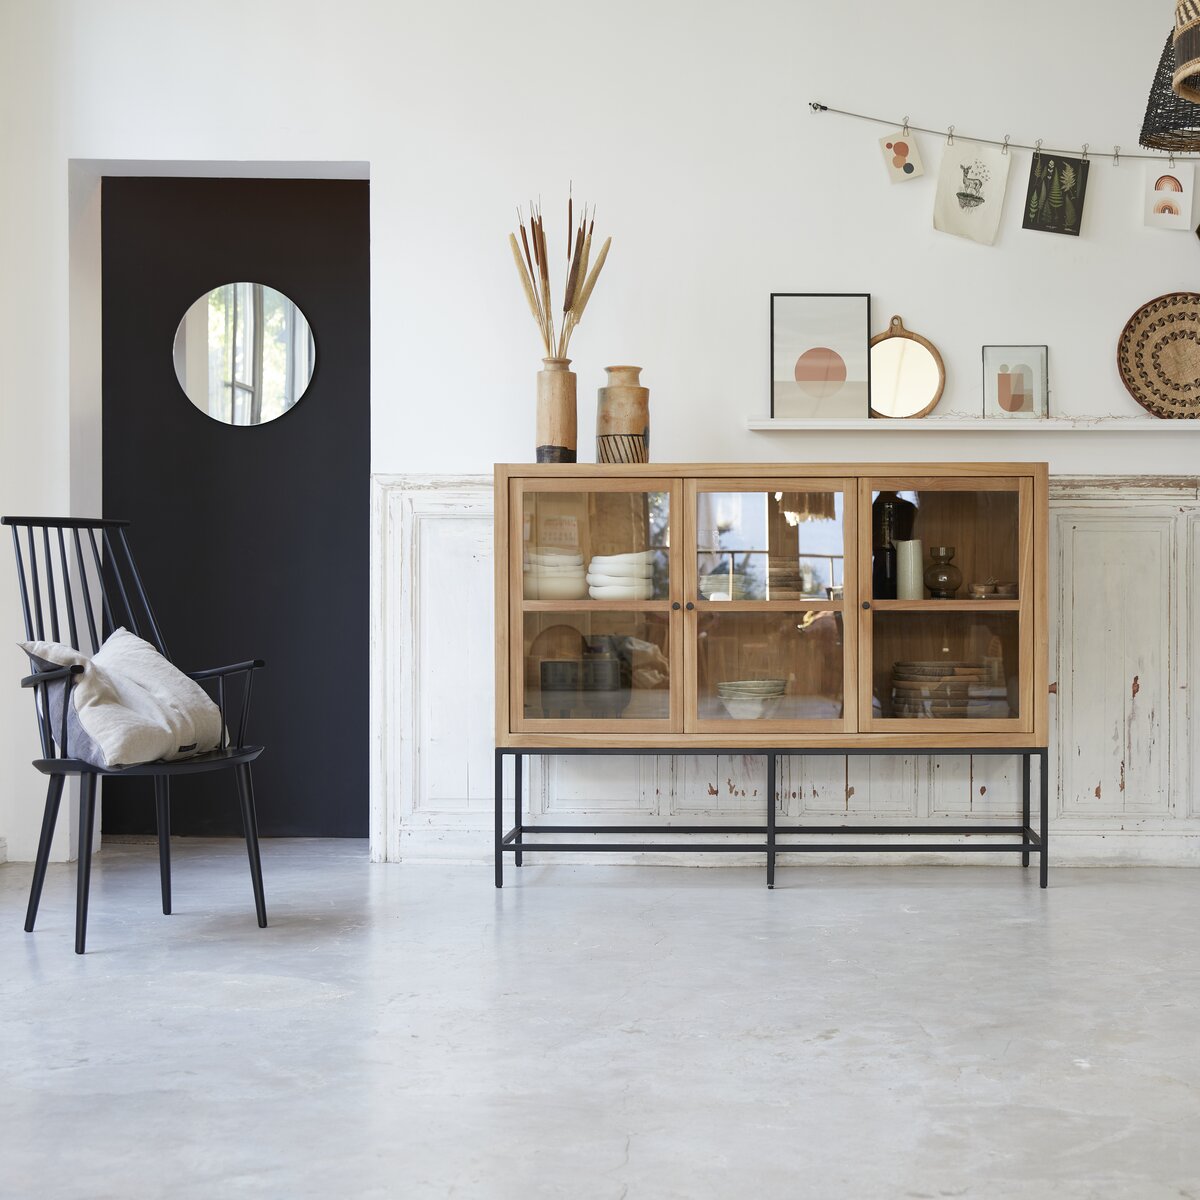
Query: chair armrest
[(52, 676), (219, 675), (254, 664), (42, 681)]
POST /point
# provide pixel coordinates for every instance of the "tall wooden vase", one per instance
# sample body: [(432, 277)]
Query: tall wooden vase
[(556, 422), (623, 418)]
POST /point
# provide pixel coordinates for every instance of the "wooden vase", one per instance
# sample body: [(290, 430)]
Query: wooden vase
[(623, 418), (556, 423)]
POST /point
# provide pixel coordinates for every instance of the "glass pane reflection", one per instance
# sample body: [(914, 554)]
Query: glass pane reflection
[(755, 666), (769, 545), (597, 666)]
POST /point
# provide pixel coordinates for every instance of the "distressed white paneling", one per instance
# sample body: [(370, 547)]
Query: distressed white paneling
[(452, 667), (619, 787), (719, 785), (985, 786), (1115, 663), (1125, 564), (814, 785)]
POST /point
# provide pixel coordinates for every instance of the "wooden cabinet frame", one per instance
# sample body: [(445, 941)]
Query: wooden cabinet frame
[(857, 727)]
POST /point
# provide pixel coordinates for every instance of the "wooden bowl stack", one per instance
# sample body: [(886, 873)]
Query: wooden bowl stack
[(945, 690)]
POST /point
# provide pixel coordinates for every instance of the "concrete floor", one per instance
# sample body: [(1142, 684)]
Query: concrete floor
[(407, 1031)]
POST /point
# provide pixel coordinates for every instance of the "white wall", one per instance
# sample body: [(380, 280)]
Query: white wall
[(687, 124)]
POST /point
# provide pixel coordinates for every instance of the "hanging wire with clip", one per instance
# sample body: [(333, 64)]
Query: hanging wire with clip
[(950, 133)]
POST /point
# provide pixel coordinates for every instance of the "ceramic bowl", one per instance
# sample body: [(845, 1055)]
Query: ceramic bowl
[(623, 592), (568, 588), (645, 557), (621, 569), (750, 709), (625, 581)]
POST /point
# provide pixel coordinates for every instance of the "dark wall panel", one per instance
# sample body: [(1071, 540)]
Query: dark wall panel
[(254, 542)]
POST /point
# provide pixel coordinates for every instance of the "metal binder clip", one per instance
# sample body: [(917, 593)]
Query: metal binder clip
[(904, 130), (1004, 148), (1037, 151), (1084, 157), (950, 136), (1116, 156)]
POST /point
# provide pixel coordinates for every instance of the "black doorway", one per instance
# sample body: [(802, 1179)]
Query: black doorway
[(253, 541)]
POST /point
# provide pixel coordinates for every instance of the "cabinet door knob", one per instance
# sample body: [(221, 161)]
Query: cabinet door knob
[(676, 606), (866, 604), (690, 606)]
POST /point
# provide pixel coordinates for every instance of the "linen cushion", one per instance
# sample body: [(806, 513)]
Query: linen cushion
[(129, 706)]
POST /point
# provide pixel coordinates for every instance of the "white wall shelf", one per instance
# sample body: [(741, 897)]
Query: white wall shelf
[(972, 425)]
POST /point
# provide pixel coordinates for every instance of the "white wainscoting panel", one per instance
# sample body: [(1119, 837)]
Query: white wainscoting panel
[(1125, 591)]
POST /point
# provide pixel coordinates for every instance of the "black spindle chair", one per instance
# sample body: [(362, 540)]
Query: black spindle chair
[(78, 577)]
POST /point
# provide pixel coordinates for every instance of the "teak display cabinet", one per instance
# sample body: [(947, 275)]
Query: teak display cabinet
[(717, 608)]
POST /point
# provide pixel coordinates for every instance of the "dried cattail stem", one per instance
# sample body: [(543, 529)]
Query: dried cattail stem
[(534, 270)]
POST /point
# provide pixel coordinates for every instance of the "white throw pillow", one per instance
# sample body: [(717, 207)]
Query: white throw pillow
[(130, 705)]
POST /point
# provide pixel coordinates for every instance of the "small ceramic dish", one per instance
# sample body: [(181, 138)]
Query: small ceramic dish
[(622, 570), (636, 592)]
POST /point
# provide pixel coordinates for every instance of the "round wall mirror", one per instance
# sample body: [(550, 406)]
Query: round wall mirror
[(907, 373), (244, 354)]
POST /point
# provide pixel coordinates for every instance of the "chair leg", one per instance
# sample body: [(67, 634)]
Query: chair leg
[(162, 801), (87, 820), (250, 825), (49, 820)]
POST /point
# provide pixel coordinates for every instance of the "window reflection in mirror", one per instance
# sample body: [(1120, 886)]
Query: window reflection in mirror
[(244, 354)]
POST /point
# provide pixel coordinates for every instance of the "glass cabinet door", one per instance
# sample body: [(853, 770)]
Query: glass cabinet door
[(767, 596), (947, 614), (592, 583)]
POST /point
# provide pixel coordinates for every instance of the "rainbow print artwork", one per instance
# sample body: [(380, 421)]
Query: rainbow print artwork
[(1167, 200)]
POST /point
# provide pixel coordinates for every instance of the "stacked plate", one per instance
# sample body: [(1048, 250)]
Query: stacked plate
[(621, 576), (552, 574), (945, 690), (751, 699), (790, 579), (722, 586)]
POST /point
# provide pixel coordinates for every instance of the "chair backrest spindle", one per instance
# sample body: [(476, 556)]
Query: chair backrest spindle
[(66, 580), (87, 595), (49, 560)]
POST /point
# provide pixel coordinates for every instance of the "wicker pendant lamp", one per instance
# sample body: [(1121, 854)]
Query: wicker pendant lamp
[(1186, 80), (1172, 123)]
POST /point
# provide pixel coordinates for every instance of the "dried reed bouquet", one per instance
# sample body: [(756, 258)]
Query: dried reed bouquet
[(534, 268)]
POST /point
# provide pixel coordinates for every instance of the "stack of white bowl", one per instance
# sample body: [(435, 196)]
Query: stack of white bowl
[(552, 574), (751, 699), (621, 576), (721, 586)]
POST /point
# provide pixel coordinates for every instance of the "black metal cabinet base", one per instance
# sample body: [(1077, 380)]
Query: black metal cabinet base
[(520, 839)]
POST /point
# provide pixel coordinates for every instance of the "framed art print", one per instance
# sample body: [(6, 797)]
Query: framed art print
[(1016, 382), (820, 356)]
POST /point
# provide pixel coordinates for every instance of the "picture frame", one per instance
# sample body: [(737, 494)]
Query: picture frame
[(1016, 382), (820, 355)]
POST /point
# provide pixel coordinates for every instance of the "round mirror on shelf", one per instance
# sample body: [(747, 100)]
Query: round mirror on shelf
[(244, 354), (907, 373)]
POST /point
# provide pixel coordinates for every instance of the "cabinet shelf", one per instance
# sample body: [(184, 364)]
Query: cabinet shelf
[(970, 424), (938, 606), (599, 606)]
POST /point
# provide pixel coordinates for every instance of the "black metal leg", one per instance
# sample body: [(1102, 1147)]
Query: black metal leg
[(770, 820), (250, 826), (49, 819), (87, 821), (162, 801), (518, 801), (499, 832), (1045, 831), (1025, 765)]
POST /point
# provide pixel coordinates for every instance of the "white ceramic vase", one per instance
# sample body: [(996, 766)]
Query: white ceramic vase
[(910, 570)]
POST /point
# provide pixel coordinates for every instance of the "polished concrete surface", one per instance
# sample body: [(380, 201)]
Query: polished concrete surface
[(407, 1031)]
